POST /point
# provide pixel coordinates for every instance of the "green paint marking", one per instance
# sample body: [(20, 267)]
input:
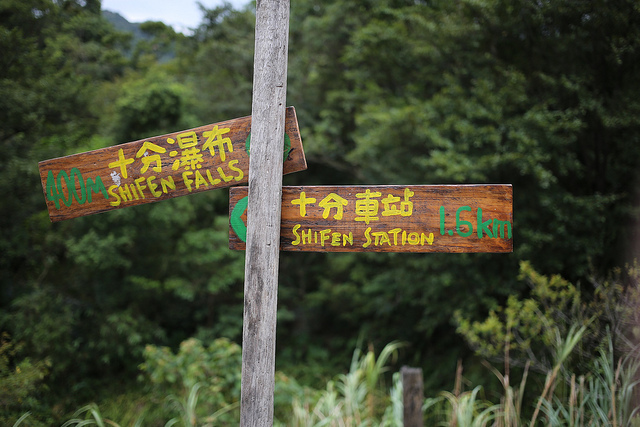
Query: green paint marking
[(67, 200), (95, 187), (287, 146), (77, 175), (236, 222), (460, 222), (483, 226), (499, 226), (52, 192), (82, 195)]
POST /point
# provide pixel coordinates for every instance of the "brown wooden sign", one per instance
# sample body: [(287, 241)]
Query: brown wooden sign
[(158, 168), (422, 218)]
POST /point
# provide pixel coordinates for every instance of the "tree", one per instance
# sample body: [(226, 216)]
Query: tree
[(218, 61), (54, 56), (539, 95)]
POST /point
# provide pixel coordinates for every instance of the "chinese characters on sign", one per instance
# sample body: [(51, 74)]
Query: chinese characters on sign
[(426, 218), (422, 218), (158, 168)]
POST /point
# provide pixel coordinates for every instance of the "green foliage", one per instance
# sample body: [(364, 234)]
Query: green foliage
[(158, 44), (202, 383), (216, 367), (20, 380), (603, 396), (542, 95), (600, 397), (20, 420), (614, 305), (528, 330), (51, 336), (93, 416), (354, 398), (214, 370), (522, 327), (150, 104), (466, 105), (218, 61), (606, 397), (466, 409), (399, 92), (563, 349), (53, 57)]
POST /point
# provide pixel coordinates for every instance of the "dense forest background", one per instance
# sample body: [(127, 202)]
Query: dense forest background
[(543, 95)]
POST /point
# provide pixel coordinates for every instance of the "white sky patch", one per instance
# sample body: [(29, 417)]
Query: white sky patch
[(181, 15)]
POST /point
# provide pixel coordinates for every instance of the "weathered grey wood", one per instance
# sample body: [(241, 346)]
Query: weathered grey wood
[(412, 395), (263, 232)]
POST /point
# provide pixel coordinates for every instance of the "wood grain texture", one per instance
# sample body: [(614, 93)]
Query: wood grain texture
[(263, 234), (424, 218), (412, 396), (145, 171)]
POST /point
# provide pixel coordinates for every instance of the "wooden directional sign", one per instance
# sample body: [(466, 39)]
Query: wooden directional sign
[(422, 218), (158, 168)]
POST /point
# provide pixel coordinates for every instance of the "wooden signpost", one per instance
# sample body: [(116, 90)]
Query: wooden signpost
[(159, 168), (265, 188), (419, 218), (264, 216)]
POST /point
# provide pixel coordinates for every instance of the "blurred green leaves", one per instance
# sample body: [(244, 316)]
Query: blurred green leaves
[(541, 95)]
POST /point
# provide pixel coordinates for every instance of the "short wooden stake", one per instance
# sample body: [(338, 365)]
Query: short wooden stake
[(412, 396)]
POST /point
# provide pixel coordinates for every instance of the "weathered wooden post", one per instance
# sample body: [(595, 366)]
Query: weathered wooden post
[(412, 396), (264, 208)]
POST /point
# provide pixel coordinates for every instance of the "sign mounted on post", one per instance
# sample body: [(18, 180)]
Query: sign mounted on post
[(158, 168), (414, 218)]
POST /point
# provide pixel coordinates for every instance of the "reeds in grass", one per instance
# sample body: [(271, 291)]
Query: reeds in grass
[(354, 398), (602, 397)]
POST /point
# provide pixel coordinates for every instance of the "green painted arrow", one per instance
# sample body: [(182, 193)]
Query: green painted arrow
[(236, 222)]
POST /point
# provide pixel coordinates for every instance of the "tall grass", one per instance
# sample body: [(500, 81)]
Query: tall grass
[(90, 415), (462, 410), (563, 349), (354, 398), (602, 397), (509, 410)]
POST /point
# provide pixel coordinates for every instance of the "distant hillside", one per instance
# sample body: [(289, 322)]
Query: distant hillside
[(121, 24)]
